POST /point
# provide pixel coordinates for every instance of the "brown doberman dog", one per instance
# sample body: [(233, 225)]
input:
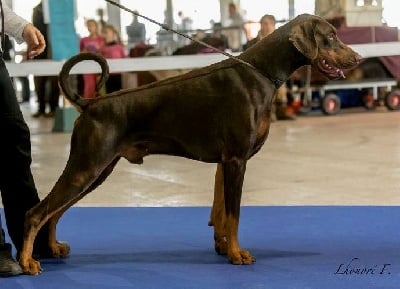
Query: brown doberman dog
[(217, 114)]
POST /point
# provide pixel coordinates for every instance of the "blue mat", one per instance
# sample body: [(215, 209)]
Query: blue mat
[(296, 247)]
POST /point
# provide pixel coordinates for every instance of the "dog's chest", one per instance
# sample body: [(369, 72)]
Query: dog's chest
[(262, 130), (263, 127)]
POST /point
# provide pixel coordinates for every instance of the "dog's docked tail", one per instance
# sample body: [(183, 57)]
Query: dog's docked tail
[(78, 101)]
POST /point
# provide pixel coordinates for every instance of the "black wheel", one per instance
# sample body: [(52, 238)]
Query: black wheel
[(368, 100), (330, 104), (392, 100)]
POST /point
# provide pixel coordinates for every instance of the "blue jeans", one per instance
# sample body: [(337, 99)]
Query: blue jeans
[(17, 186)]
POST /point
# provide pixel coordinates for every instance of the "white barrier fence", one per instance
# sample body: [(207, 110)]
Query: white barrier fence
[(153, 63)]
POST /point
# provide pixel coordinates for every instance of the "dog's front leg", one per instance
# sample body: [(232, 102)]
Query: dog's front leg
[(234, 170), (218, 215)]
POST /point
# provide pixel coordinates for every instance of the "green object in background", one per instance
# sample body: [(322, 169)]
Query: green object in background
[(64, 119), (63, 37)]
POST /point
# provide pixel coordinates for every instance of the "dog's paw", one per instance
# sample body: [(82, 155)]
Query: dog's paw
[(243, 257), (31, 266), (60, 249)]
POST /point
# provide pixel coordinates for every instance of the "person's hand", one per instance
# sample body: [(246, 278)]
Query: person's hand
[(34, 39)]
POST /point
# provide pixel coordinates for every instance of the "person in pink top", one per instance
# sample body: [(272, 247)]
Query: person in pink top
[(112, 48), (93, 44)]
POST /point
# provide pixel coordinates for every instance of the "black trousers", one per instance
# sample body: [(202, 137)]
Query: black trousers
[(17, 186), (114, 82), (47, 91)]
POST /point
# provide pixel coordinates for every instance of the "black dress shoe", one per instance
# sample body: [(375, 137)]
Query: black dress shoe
[(8, 266)]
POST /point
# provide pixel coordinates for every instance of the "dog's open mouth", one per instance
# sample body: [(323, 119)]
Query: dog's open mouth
[(329, 70)]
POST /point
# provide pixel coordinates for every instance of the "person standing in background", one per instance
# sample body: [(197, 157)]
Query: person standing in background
[(185, 26), (46, 87), (217, 33), (267, 26), (91, 43), (112, 48), (136, 32), (280, 108), (236, 33), (100, 13)]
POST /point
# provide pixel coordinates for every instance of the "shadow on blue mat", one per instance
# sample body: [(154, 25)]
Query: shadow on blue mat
[(177, 257), (295, 247)]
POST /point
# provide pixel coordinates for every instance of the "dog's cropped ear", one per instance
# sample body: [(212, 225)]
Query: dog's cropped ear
[(303, 38)]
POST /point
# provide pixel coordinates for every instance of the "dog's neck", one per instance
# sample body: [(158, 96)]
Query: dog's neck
[(275, 57)]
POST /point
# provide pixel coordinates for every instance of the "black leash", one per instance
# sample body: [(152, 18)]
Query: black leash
[(277, 82)]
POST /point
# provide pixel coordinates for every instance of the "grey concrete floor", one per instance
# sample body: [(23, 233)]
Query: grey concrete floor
[(349, 159)]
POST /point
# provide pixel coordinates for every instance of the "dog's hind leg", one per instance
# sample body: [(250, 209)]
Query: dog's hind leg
[(50, 207), (61, 249), (234, 170), (76, 181), (218, 215)]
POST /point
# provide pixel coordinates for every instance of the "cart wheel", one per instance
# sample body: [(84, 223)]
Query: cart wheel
[(330, 104), (392, 100), (369, 101)]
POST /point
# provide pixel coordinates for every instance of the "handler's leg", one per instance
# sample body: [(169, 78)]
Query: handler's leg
[(17, 186)]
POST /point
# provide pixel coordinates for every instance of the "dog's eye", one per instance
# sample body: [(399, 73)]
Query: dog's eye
[(329, 39)]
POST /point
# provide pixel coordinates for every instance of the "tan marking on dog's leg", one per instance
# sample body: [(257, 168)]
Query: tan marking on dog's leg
[(53, 204), (218, 216), (236, 255), (58, 249), (32, 226), (28, 264), (234, 170), (62, 249)]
